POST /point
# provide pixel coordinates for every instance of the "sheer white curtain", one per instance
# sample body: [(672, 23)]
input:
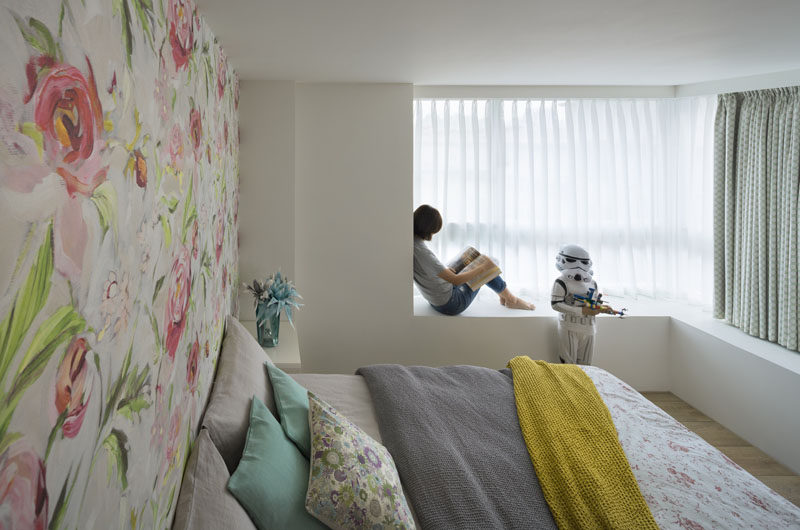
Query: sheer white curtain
[(631, 180)]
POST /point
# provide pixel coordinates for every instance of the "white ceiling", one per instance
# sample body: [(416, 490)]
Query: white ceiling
[(507, 42)]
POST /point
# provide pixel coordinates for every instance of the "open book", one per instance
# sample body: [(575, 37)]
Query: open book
[(469, 259)]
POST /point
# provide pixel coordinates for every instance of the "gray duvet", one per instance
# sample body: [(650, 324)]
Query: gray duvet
[(455, 438)]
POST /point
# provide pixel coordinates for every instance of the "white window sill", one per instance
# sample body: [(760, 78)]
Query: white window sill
[(486, 305)]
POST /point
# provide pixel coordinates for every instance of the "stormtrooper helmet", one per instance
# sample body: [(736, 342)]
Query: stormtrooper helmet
[(574, 263)]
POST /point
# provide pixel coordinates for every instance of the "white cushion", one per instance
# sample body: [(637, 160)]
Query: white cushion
[(240, 375), (204, 502)]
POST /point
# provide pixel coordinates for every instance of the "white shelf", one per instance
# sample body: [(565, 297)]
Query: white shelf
[(286, 355)]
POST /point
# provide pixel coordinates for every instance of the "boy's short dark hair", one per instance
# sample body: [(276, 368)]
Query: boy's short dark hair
[(427, 221)]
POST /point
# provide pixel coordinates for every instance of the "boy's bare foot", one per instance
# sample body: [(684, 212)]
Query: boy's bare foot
[(502, 301)]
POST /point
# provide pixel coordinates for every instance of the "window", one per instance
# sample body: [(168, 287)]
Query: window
[(631, 180)]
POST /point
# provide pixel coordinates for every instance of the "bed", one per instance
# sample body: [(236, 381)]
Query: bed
[(685, 482)]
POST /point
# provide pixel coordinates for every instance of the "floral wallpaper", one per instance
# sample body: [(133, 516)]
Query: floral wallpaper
[(118, 223)]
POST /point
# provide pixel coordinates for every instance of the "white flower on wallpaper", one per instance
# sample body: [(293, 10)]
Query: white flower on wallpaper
[(118, 127)]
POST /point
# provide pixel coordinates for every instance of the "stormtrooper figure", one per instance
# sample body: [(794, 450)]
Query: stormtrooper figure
[(576, 326)]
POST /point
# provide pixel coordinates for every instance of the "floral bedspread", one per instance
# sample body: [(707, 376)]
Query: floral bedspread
[(686, 482)]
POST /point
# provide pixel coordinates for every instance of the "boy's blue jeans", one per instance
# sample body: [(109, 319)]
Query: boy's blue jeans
[(462, 296)]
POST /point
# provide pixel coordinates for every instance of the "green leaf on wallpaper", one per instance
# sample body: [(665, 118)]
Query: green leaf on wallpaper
[(105, 199), (63, 500), (167, 231), (65, 10), (120, 7), (37, 35), (133, 406), (144, 11), (27, 303), (154, 325), (61, 20), (8, 439), (171, 203), (188, 219), (154, 508), (32, 131), (115, 389), (159, 284), (61, 326), (208, 72), (189, 212), (171, 499), (97, 362), (54, 432), (46, 36), (136, 394), (116, 445)]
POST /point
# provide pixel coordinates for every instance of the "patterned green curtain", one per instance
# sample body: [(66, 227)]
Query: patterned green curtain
[(756, 239)]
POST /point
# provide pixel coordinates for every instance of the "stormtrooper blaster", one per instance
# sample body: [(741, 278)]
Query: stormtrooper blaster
[(596, 304)]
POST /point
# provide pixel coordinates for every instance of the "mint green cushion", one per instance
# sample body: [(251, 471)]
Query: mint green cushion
[(272, 477), (291, 400)]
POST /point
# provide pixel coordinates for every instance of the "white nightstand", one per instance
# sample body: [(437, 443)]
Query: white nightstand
[(286, 355)]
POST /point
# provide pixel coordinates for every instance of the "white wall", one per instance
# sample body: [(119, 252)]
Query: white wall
[(755, 398), (266, 183)]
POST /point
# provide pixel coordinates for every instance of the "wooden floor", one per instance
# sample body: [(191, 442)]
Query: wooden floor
[(756, 462)]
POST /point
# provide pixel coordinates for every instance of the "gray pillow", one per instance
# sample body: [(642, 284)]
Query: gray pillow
[(240, 375), (204, 501)]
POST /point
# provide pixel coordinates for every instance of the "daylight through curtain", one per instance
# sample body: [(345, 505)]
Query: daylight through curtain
[(756, 181), (629, 179)]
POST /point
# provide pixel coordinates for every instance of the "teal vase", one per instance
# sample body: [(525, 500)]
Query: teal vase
[(268, 330)]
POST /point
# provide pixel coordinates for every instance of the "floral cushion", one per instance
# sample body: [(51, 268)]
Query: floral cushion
[(353, 482)]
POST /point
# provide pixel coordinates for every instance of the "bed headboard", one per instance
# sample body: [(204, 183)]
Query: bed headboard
[(118, 208)]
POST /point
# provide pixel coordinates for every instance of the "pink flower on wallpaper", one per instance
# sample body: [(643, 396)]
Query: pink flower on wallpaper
[(176, 147), (68, 112), (192, 366), (173, 433), (196, 132), (181, 31), (219, 233), (178, 300), (23, 488), (71, 387), (222, 74), (161, 91)]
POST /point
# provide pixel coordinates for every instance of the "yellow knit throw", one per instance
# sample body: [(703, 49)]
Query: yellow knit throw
[(573, 444)]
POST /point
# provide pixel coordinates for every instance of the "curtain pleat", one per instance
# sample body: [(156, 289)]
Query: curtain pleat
[(756, 181), (630, 180)]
